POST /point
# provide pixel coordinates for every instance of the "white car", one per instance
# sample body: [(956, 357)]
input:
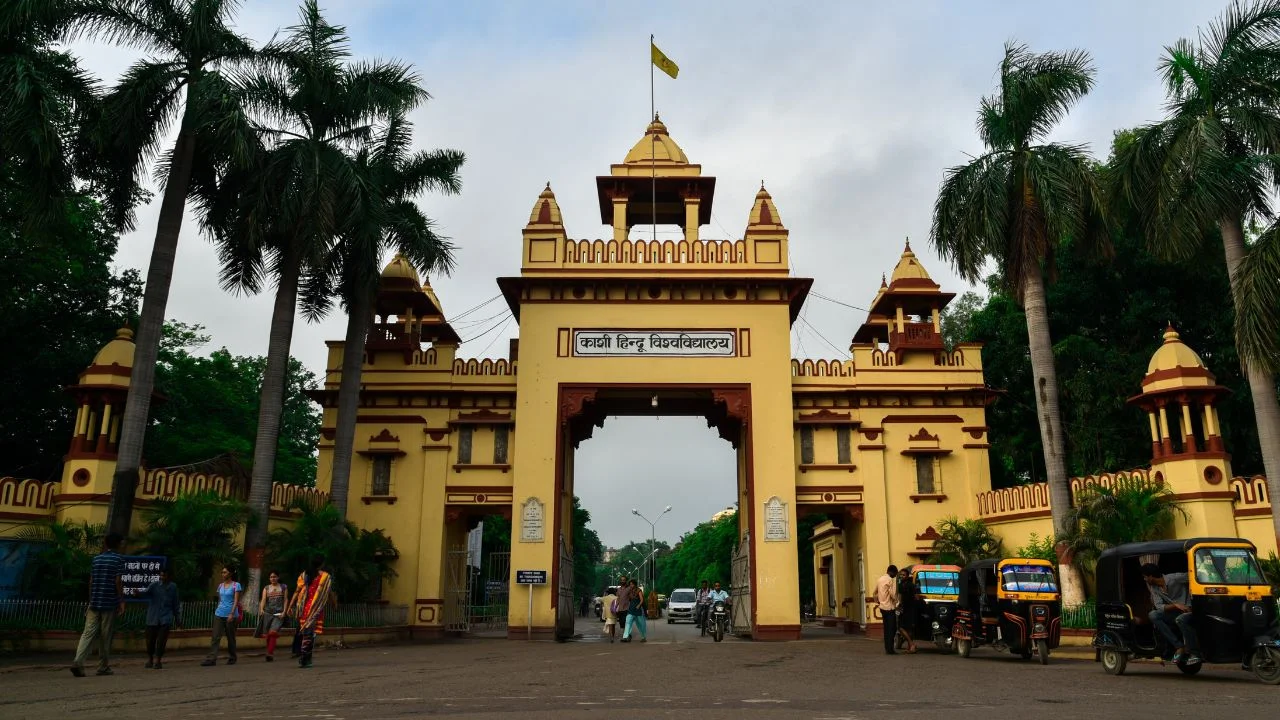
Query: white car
[(680, 605)]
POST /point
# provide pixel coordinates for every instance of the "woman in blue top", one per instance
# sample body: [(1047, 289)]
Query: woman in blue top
[(225, 617), (164, 611)]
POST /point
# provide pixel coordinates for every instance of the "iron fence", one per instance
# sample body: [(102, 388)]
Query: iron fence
[(1080, 617), (37, 615)]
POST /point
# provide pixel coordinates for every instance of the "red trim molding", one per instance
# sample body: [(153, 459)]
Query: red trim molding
[(775, 633)]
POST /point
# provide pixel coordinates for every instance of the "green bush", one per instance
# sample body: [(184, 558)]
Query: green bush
[(197, 532), (60, 569), (1040, 548), (358, 560)]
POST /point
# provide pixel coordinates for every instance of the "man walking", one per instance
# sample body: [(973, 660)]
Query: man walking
[(887, 598), (106, 601)]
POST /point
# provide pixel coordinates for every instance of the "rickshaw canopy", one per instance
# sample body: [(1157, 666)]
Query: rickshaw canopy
[(1110, 587)]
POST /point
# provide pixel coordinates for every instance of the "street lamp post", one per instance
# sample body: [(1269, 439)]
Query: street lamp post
[(653, 546)]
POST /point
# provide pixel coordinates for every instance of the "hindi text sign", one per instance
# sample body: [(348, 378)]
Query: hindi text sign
[(775, 520), (139, 572), (654, 343)]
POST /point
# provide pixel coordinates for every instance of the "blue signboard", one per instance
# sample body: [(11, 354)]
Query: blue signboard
[(531, 577), (14, 556), (139, 572)]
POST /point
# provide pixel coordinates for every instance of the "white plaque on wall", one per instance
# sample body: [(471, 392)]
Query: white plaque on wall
[(654, 343), (776, 527), (532, 521)]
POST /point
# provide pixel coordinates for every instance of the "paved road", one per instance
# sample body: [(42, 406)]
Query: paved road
[(673, 675)]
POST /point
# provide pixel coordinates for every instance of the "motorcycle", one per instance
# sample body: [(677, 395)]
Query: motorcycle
[(719, 619)]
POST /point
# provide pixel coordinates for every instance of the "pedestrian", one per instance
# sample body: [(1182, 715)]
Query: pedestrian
[(164, 611), (226, 617), (908, 608), (887, 599), (312, 594), (271, 608), (106, 603), (635, 613), (584, 607), (608, 609)]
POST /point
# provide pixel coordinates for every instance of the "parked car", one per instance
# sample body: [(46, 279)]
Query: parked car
[(680, 605)]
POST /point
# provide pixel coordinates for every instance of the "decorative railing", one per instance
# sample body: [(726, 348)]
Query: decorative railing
[(915, 336), (1032, 500), (24, 496), (821, 368), (1080, 617), (1252, 496), (653, 252), (486, 366), (44, 616)]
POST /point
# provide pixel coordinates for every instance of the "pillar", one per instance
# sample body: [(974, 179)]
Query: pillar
[(1188, 430), (105, 430), (901, 320), (937, 321), (1166, 440), (691, 207), (620, 229)]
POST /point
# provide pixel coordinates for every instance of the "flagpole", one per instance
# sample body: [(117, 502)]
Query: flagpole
[(653, 150)]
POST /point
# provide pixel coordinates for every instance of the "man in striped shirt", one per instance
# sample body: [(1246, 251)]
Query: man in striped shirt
[(106, 601)]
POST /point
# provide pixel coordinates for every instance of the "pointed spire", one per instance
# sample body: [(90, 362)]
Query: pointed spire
[(764, 213), (1171, 335), (908, 247), (883, 282), (546, 211)]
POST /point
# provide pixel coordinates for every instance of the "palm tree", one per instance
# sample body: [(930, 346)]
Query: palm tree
[(358, 559), (1016, 205), (1211, 165), (188, 45), (292, 203), (391, 176), (1104, 517), (197, 533), (59, 570), (46, 97), (960, 542)]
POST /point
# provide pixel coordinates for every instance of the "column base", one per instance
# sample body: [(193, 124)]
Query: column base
[(539, 633)]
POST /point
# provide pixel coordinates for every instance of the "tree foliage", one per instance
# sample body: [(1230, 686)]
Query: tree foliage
[(211, 408), (359, 560), (705, 553), (1132, 512), (59, 304), (59, 570), (963, 541), (197, 533)]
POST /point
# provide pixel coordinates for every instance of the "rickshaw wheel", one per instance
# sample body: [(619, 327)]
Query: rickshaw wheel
[(963, 647), (1189, 669), (1042, 649), (1114, 662), (1266, 665)]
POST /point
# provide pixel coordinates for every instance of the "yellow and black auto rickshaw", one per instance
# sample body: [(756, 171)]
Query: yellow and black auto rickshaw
[(1011, 604), (934, 610), (1233, 613)]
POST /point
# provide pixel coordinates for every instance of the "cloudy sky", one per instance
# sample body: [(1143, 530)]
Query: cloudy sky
[(850, 112)]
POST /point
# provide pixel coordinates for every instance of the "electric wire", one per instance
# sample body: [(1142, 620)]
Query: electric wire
[(486, 332), (505, 323), (477, 307)]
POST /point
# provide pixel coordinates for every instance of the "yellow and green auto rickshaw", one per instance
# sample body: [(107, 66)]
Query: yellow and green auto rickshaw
[(1233, 613), (1011, 604), (934, 610)]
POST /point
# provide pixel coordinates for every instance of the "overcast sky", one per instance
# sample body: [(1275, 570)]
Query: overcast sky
[(850, 113)]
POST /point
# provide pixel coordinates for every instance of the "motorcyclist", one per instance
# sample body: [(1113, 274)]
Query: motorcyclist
[(703, 603), (717, 594)]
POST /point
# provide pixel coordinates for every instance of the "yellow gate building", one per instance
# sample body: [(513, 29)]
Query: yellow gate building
[(694, 326)]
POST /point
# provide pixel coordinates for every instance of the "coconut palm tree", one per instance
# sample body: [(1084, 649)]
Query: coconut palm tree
[(1210, 167), (391, 176), (196, 532), (288, 208), (1016, 205), (189, 44), (46, 97), (1105, 517)]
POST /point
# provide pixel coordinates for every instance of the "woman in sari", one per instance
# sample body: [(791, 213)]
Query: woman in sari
[(312, 594)]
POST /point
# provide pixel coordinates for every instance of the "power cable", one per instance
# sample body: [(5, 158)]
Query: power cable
[(505, 323), (486, 332), (477, 307)]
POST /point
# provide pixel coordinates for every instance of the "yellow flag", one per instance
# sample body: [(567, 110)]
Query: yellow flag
[(663, 62)]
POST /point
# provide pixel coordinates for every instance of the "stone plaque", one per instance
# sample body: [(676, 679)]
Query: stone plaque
[(776, 528), (654, 343), (532, 521)]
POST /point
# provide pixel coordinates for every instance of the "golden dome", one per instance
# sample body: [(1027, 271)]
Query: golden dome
[(656, 147), (546, 211), (908, 267), (400, 268), (117, 352), (1173, 354)]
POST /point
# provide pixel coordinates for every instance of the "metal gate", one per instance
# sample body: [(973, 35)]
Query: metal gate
[(457, 590), (490, 601), (564, 599), (740, 587)]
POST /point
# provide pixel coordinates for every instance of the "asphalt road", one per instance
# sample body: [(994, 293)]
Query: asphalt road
[(675, 674)]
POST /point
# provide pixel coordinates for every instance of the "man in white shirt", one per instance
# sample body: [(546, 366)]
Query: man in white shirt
[(887, 599)]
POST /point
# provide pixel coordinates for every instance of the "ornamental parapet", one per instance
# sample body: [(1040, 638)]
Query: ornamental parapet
[(1032, 500), (485, 367), (22, 498), (821, 368), (1252, 497)]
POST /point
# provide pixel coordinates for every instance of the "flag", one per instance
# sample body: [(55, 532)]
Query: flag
[(663, 62)]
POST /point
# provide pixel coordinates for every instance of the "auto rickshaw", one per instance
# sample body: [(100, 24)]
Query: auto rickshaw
[(937, 589), (1234, 615), (1011, 604)]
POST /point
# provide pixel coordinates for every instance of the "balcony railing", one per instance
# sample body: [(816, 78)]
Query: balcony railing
[(915, 336)]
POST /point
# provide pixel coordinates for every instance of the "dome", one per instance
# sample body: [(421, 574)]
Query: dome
[(1173, 355), (117, 352), (656, 147), (546, 211), (908, 267), (763, 211), (401, 269)]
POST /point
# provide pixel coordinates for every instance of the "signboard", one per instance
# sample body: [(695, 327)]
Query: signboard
[(531, 577), (532, 521), (775, 520), (654, 343), (139, 572)]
